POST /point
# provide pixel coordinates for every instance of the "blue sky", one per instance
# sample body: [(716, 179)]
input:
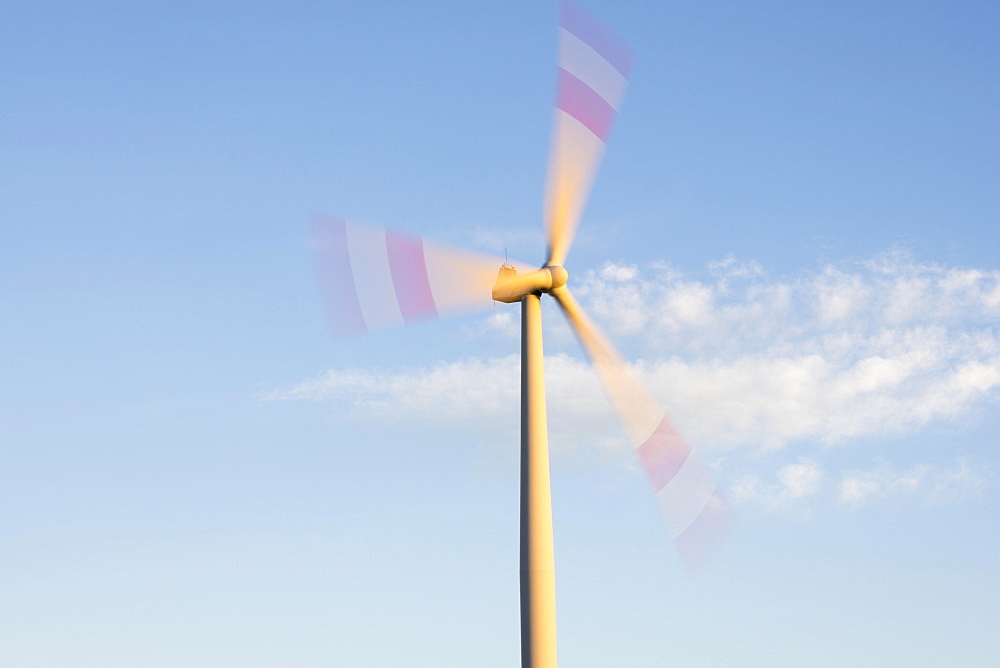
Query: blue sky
[(793, 236)]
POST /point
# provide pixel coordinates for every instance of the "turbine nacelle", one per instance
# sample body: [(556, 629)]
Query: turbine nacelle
[(511, 287)]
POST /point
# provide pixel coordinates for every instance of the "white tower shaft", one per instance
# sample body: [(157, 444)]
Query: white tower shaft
[(538, 577)]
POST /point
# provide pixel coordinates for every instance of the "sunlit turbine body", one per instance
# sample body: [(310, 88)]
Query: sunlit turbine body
[(373, 278)]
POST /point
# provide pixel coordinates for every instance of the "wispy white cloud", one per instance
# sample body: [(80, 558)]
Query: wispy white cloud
[(793, 485), (731, 267), (935, 485), (503, 322), (741, 360), (884, 346), (801, 486), (480, 396), (881, 346)]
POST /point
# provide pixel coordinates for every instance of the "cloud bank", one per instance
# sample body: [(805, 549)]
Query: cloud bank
[(935, 485), (798, 486), (742, 361)]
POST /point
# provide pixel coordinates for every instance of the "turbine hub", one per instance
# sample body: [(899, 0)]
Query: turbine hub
[(559, 276)]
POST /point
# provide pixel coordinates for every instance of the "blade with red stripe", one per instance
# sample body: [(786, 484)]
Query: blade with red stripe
[(373, 278), (694, 507), (592, 75)]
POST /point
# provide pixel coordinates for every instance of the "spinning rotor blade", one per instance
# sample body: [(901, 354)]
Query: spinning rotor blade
[(373, 278), (693, 505), (593, 69)]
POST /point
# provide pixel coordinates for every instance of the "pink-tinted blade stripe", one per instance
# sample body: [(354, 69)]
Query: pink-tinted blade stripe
[(662, 455), (585, 26), (701, 538), (409, 276), (335, 278), (577, 58), (581, 102)]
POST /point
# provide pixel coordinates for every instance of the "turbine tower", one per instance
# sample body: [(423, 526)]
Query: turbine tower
[(373, 278)]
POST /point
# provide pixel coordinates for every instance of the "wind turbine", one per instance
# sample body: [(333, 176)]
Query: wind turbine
[(372, 277)]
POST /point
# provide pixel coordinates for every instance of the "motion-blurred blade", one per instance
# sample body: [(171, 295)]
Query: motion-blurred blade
[(593, 70), (372, 278), (692, 503)]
